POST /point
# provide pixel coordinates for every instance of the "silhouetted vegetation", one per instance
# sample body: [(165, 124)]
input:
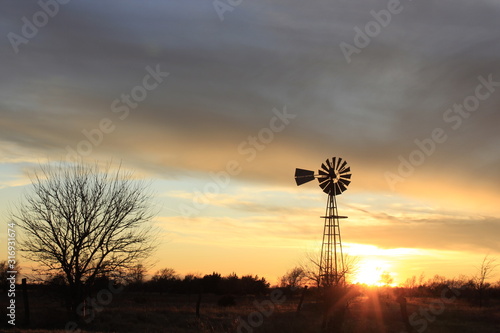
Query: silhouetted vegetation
[(83, 223), (168, 300), (168, 281)]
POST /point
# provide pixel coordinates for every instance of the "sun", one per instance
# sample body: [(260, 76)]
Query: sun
[(370, 272)]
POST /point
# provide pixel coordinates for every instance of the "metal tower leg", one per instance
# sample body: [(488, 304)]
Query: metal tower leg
[(331, 270)]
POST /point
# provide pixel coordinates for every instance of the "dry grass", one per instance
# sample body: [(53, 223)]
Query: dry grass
[(136, 312)]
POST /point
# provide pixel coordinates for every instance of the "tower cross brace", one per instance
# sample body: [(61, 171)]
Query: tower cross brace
[(331, 268)]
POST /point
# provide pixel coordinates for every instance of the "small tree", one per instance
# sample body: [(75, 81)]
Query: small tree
[(485, 272), (312, 263), (421, 280), (294, 278), (136, 274), (165, 274), (166, 279), (84, 222), (211, 283), (386, 279), (310, 267), (410, 283), (336, 297)]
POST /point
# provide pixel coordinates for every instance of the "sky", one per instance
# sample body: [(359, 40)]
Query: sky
[(216, 103)]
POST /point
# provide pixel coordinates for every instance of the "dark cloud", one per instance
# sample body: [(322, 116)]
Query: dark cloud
[(226, 77)]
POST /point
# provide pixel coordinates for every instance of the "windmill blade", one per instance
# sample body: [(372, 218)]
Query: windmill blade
[(331, 164), (341, 186), (303, 176), (324, 167), (342, 166), (348, 169), (329, 188), (323, 177), (323, 173), (344, 181), (324, 184), (338, 164), (337, 189), (346, 176)]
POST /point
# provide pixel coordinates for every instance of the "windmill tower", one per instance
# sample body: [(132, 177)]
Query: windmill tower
[(334, 177)]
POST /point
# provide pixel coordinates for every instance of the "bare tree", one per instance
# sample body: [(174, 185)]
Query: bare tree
[(294, 278), (334, 298), (136, 274), (311, 264), (421, 280), (485, 272), (85, 222), (165, 274), (410, 283), (310, 267)]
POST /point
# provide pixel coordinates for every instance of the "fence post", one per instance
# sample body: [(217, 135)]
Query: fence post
[(404, 312), (198, 302)]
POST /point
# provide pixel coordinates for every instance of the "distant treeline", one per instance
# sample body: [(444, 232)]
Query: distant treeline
[(212, 283), (167, 281)]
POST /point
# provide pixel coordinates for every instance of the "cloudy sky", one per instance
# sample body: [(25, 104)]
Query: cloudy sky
[(217, 104)]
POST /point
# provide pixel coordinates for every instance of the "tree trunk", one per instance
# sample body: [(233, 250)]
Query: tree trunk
[(76, 301)]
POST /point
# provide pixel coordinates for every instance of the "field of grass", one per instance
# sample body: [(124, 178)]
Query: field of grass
[(153, 312)]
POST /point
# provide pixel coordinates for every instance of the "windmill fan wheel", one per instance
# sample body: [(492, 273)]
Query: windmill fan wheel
[(334, 176)]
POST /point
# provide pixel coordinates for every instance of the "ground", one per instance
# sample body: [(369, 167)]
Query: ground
[(375, 311)]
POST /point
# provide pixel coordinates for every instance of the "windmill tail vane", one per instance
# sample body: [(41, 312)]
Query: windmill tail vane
[(333, 176), (303, 176)]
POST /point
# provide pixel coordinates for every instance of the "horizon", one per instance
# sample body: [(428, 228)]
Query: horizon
[(215, 108)]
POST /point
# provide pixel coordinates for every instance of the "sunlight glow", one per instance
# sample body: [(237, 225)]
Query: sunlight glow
[(355, 249), (370, 272)]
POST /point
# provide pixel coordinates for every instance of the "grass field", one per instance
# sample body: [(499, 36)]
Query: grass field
[(152, 312)]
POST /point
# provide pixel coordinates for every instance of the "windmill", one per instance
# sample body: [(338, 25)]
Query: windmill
[(334, 177)]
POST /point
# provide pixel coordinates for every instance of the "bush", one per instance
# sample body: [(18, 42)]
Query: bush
[(226, 300)]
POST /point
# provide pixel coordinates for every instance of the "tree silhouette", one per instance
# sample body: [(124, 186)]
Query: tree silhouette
[(293, 278), (310, 267), (165, 274), (386, 279), (85, 223), (485, 272), (211, 283), (136, 274)]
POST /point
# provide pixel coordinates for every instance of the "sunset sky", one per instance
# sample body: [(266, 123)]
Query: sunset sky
[(216, 105)]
